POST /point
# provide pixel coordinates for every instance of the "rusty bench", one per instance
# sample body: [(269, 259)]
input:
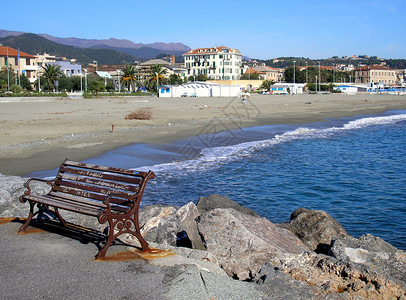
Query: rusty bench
[(112, 195)]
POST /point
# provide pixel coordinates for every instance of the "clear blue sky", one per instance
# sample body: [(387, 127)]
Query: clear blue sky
[(258, 28)]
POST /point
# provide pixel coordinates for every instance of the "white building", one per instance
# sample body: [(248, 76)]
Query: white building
[(347, 89), (199, 89), (218, 63), (287, 88)]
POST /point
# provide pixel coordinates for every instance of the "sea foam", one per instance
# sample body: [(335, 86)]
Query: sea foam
[(216, 156)]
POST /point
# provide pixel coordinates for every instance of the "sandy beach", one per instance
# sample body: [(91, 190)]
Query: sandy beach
[(39, 133)]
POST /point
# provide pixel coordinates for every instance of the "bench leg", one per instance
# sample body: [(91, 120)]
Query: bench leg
[(23, 228), (122, 228), (60, 217), (102, 253)]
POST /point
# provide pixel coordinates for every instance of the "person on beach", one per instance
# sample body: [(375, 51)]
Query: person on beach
[(245, 97)]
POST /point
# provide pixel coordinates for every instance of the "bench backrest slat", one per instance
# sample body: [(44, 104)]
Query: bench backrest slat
[(104, 183), (101, 175), (104, 169), (97, 182), (92, 188)]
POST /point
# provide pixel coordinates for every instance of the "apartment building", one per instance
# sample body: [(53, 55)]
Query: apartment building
[(218, 63), (20, 62), (375, 74), (265, 72)]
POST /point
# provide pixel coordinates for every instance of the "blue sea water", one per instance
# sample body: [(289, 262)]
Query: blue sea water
[(352, 168)]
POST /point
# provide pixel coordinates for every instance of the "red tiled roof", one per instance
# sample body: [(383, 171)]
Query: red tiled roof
[(368, 68), (207, 50), (11, 52)]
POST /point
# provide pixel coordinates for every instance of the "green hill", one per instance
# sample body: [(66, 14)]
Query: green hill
[(34, 44)]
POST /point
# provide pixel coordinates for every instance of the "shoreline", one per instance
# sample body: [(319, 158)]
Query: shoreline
[(39, 134)]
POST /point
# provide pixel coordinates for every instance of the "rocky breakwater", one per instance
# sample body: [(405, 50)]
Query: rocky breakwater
[(310, 257)]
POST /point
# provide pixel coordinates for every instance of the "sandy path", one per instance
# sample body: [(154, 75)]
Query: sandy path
[(39, 133)]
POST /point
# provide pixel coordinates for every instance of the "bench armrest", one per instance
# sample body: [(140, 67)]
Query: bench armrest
[(107, 200), (27, 186)]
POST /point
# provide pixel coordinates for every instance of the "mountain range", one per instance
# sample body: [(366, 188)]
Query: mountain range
[(108, 51)]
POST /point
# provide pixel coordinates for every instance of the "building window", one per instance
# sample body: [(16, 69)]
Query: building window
[(28, 62)]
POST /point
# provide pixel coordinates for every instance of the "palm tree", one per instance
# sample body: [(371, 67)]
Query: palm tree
[(266, 85), (129, 78), (156, 77), (51, 74)]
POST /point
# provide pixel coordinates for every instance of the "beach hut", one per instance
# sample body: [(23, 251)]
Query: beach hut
[(199, 89), (346, 89)]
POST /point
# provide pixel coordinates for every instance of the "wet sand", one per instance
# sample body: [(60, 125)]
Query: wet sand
[(39, 133)]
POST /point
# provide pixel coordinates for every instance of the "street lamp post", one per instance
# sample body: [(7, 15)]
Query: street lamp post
[(39, 80), (119, 81), (294, 71), (316, 83), (85, 80), (95, 61), (156, 73), (307, 80), (319, 77), (334, 73)]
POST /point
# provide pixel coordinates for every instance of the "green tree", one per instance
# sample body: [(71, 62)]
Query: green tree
[(15, 88), (250, 76), (25, 83), (175, 79), (156, 77), (295, 75), (266, 85), (51, 73), (66, 84), (110, 86), (128, 78), (7, 78), (97, 87)]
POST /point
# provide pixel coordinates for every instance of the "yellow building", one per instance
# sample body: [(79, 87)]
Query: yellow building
[(265, 72), (375, 74), (20, 62)]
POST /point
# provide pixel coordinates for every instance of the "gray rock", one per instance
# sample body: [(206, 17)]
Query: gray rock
[(11, 188), (171, 225), (159, 224), (244, 243), (187, 216), (213, 201), (278, 285), (374, 253), (334, 277), (315, 228)]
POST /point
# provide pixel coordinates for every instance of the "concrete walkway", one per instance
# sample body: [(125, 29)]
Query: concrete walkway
[(57, 264)]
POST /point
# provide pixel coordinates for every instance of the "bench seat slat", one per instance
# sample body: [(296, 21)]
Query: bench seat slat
[(76, 204), (82, 200), (101, 175), (71, 206), (121, 206)]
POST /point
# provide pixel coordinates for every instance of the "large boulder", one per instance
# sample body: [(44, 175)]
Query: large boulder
[(11, 188), (243, 243), (214, 201), (330, 276), (171, 225), (315, 228), (279, 285), (374, 253)]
